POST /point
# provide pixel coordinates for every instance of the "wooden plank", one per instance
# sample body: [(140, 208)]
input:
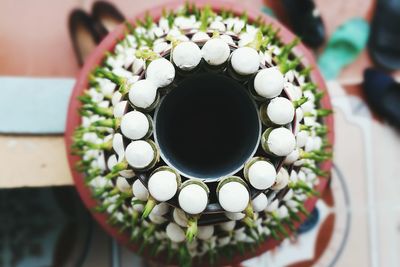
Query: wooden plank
[(33, 161)]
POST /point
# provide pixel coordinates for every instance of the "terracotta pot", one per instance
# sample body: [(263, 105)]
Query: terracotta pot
[(108, 44)]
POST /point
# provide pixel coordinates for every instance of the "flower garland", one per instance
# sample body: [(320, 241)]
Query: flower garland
[(148, 199)]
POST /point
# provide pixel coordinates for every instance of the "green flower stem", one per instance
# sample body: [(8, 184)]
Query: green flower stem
[(84, 113), (275, 217), (306, 71), (136, 233), (185, 260), (155, 247), (111, 175), (322, 130), (287, 49), (135, 218), (120, 166), (158, 248), (132, 31), (244, 17), (318, 96), (324, 112), (171, 18), (278, 224), (325, 143), (112, 221), (224, 13), (148, 21), (120, 81), (240, 247), (215, 34), (303, 210), (114, 191), (170, 251), (174, 42), (282, 230), (294, 216), (205, 14), (195, 11), (260, 42), (212, 255), (320, 113), (300, 185), (301, 101), (254, 235), (316, 170), (106, 112), (309, 87), (85, 98), (91, 129), (283, 58), (317, 155), (147, 233), (274, 234), (92, 173), (123, 228), (147, 55), (109, 123), (249, 211), (84, 145), (186, 10), (249, 222), (305, 128), (137, 201), (150, 204), (192, 229), (82, 165), (98, 192), (101, 208), (290, 224), (92, 80)]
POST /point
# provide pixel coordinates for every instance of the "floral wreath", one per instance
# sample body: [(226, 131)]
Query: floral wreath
[(161, 209)]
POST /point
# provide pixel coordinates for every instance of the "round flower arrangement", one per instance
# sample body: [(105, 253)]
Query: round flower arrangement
[(202, 134)]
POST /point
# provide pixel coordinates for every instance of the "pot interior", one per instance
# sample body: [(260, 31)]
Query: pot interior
[(207, 127)]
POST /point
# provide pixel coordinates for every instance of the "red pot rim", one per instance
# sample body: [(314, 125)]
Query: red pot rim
[(73, 119)]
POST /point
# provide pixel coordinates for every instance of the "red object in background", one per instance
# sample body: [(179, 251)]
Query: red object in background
[(74, 119)]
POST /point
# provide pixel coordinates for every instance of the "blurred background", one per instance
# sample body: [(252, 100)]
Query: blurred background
[(43, 44)]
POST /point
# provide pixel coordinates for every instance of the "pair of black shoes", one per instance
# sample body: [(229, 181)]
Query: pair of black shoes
[(383, 95), (305, 21), (86, 31), (381, 89)]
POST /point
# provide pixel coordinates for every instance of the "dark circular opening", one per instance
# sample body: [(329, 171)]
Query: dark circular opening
[(207, 127)]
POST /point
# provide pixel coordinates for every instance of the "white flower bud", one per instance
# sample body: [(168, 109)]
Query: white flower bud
[(134, 125), (161, 72), (269, 82), (142, 94), (186, 55), (245, 61)]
